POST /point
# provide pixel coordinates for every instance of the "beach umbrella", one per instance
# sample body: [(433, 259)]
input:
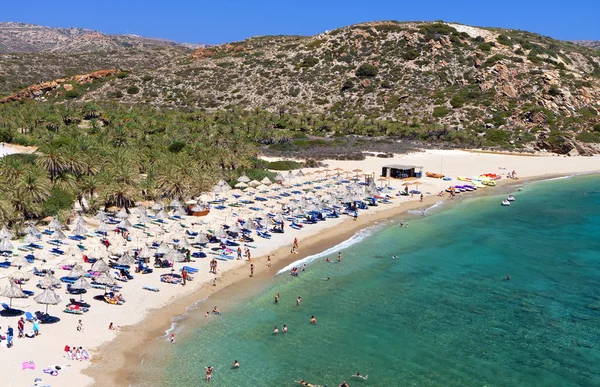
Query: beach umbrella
[(221, 233), (55, 224), (31, 238), (175, 203), (122, 214), (59, 235), (79, 230), (254, 183), (47, 297), (175, 256), (184, 244), (102, 228), (278, 177), (279, 217), (31, 230), (125, 223), (20, 275), (163, 249), (235, 228), (157, 207), (105, 279), (326, 170), (145, 252), (298, 212), (289, 176), (217, 189), (101, 216), (19, 261), (201, 238), (5, 245), (79, 220), (161, 215), (300, 174), (179, 212), (241, 185), (81, 284), (140, 209), (12, 291), (266, 181), (243, 178), (100, 266), (49, 281), (126, 260), (5, 234), (144, 218), (77, 271)]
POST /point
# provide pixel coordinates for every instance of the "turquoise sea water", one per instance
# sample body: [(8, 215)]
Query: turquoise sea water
[(442, 314)]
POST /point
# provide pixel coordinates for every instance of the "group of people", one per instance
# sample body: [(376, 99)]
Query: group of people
[(76, 353), (10, 332), (213, 266)]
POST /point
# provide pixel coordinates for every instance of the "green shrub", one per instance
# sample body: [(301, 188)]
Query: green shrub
[(122, 74), (457, 101), (504, 40), (487, 46), (440, 111), (284, 165), (146, 78), (133, 90), (71, 94), (308, 62), (554, 90), (597, 128), (176, 146), (366, 70), (593, 137), (410, 54), (59, 200), (348, 85)]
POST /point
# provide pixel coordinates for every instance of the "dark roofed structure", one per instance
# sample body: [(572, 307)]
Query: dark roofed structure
[(400, 171)]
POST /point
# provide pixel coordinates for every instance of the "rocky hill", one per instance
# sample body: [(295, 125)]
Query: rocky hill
[(588, 43), (22, 37), (511, 87)]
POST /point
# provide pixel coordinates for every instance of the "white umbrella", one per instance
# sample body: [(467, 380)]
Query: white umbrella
[(249, 224), (47, 297), (145, 252), (289, 176), (5, 234), (254, 183), (81, 284), (161, 215), (279, 176), (32, 238), (235, 228), (122, 214), (184, 244), (12, 291), (175, 203), (221, 233), (241, 185), (79, 230), (300, 174), (5, 245), (262, 187), (163, 249), (266, 181)]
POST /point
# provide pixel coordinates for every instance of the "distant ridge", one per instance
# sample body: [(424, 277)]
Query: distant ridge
[(31, 38)]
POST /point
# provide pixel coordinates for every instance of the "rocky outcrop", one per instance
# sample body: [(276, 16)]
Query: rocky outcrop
[(40, 89)]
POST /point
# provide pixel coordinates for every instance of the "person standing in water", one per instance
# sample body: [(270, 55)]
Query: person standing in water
[(209, 370), (298, 301), (275, 331), (276, 298), (284, 328), (268, 261), (251, 270), (313, 320), (340, 256), (236, 364)]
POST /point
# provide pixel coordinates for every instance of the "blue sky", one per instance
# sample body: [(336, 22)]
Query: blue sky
[(220, 21)]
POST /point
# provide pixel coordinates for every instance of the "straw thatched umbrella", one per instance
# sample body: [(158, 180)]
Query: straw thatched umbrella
[(179, 212), (5, 234), (267, 181), (161, 215), (289, 176), (221, 233), (254, 183), (241, 185), (184, 244), (157, 207), (175, 256), (20, 275), (243, 178), (19, 261), (235, 228), (55, 224), (5, 245), (79, 230), (145, 253), (49, 281), (81, 284), (201, 238), (12, 291), (101, 216), (77, 271), (32, 238), (279, 176), (100, 266), (124, 224), (59, 235), (126, 260), (300, 174), (175, 203), (47, 297), (80, 220), (122, 214), (102, 228), (32, 230), (105, 279), (144, 218)]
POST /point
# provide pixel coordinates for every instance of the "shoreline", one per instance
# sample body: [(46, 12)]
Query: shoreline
[(117, 360)]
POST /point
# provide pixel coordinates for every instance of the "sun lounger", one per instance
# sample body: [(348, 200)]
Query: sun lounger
[(29, 317), (190, 269), (68, 280), (151, 288), (5, 265)]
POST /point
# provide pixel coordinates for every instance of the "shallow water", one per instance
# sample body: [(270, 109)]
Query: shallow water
[(442, 314)]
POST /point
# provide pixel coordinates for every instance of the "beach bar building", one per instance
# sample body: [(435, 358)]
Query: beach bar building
[(398, 171)]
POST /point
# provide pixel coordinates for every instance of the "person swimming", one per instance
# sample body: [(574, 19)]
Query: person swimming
[(275, 331), (394, 256), (236, 364), (507, 277), (358, 375)]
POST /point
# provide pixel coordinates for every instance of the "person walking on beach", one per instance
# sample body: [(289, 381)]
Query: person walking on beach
[(9, 337), (183, 276), (36, 327), (421, 197), (268, 261), (80, 326), (276, 298), (239, 253), (21, 327), (295, 243), (298, 301), (251, 270)]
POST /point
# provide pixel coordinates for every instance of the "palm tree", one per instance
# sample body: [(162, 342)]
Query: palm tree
[(33, 185), (52, 159)]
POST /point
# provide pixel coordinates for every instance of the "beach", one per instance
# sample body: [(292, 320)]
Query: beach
[(147, 315)]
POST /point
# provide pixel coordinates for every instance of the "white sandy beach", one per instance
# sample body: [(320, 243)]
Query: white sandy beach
[(47, 349)]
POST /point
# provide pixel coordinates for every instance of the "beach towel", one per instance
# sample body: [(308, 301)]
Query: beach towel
[(28, 365)]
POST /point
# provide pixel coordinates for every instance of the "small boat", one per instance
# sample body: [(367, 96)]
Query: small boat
[(505, 202), (463, 178), (434, 175), (510, 198)]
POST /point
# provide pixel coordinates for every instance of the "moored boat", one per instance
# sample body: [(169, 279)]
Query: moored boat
[(505, 202), (510, 198)]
